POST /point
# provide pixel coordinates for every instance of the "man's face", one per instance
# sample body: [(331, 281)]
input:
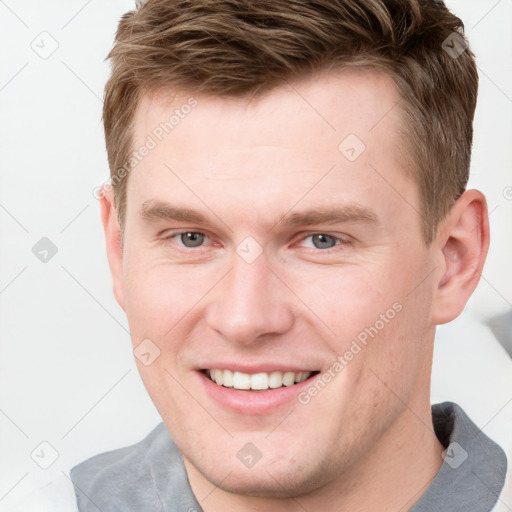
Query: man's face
[(256, 243)]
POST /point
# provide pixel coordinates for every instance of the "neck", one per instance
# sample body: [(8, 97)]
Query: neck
[(393, 476)]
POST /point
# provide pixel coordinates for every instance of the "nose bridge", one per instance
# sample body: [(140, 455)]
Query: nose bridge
[(250, 303)]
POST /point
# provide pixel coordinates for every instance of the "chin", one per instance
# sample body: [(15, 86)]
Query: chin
[(273, 481)]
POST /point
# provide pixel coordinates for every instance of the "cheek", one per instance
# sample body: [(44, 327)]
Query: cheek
[(161, 299), (375, 317), (156, 291), (399, 342), (344, 299)]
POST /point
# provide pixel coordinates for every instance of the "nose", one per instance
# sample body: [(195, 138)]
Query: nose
[(251, 304)]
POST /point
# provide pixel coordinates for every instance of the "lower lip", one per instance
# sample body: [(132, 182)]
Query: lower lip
[(253, 402)]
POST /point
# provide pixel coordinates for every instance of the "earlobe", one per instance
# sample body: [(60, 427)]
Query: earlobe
[(113, 241), (462, 242)]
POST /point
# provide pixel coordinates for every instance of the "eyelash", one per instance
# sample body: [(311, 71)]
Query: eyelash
[(339, 240)]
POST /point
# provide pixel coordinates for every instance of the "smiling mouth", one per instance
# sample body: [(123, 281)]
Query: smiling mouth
[(258, 381)]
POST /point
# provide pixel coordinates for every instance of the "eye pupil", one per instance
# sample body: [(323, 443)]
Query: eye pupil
[(323, 241), (192, 239)]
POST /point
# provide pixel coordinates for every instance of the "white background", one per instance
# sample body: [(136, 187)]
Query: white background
[(67, 374)]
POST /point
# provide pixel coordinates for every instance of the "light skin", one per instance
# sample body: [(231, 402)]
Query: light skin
[(248, 167)]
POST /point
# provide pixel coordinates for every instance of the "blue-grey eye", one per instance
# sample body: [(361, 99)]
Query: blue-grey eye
[(192, 238), (323, 241)]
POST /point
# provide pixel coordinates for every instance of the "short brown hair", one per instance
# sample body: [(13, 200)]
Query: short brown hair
[(246, 47)]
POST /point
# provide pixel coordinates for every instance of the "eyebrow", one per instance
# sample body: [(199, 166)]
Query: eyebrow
[(331, 215), (155, 210)]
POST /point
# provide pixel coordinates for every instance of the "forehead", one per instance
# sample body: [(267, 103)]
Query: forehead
[(275, 146), (329, 104)]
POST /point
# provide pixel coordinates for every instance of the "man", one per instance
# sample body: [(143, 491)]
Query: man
[(288, 222)]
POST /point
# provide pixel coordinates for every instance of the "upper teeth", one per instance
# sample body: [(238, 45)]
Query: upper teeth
[(256, 381)]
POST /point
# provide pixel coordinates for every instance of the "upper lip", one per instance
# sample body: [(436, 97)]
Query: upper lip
[(259, 368)]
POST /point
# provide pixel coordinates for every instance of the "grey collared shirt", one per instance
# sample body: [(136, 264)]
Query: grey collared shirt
[(150, 475)]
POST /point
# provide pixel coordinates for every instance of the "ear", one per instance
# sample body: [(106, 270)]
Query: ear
[(113, 241), (462, 243)]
